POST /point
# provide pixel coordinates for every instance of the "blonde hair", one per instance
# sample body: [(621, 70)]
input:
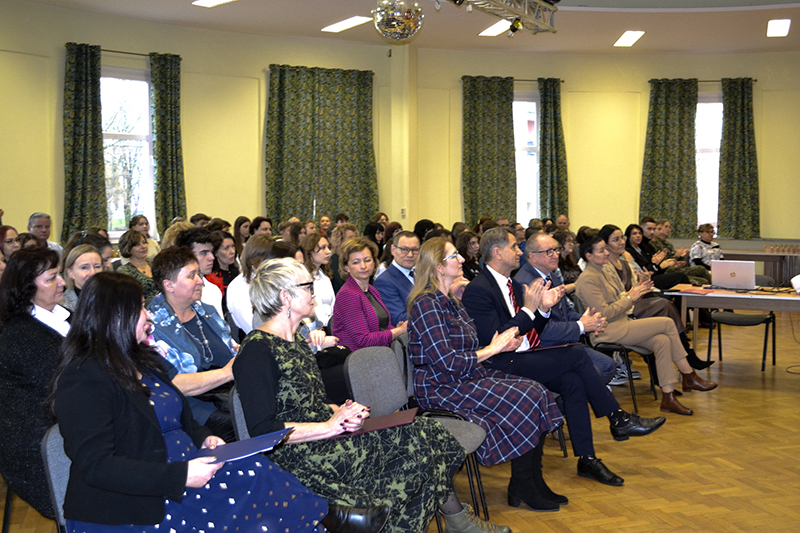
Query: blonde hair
[(426, 278), (337, 235), (270, 279), (74, 254), (172, 232)]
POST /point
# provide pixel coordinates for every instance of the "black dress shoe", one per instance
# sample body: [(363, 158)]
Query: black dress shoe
[(636, 426), (595, 469), (343, 519)]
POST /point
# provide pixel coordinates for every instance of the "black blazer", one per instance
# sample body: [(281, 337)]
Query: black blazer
[(486, 306), (119, 472)]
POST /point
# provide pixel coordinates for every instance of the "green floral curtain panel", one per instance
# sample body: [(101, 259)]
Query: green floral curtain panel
[(738, 168), (553, 190), (84, 173), (669, 173), (319, 146), (488, 168), (165, 89)]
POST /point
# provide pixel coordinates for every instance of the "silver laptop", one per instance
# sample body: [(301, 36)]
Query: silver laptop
[(733, 274)]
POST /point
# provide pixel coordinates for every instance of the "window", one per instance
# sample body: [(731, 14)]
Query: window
[(526, 145), (128, 147), (708, 135)]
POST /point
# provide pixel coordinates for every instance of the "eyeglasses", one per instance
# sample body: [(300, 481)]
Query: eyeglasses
[(309, 285), (407, 251), (550, 252), (451, 256)]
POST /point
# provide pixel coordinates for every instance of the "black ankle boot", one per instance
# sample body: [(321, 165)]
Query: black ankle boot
[(527, 485), (691, 357), (343, 519)]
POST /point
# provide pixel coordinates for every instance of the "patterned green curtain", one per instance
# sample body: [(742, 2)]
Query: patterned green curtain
[(669, 173), (553, 191), (488, 167), (165, 98), (84, 172), (738, 168), (319, 147)]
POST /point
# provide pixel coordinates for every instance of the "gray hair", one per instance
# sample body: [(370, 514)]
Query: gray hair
[(272, 277), (494, 238), (35, 216)]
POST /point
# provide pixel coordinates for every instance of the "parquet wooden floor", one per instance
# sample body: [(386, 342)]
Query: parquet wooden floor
[(732, 467)]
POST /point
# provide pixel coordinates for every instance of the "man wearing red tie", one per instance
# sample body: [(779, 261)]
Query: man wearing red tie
[(495, 302)]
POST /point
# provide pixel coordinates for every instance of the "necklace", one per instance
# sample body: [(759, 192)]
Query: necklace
[(204, 343)]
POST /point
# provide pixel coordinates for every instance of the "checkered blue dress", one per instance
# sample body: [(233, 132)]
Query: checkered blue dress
[(515, 411)]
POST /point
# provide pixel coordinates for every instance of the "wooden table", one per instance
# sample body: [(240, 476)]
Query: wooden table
[(781, 267), (722, 299)]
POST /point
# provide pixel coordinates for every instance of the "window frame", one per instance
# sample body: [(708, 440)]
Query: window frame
[(136, 74)]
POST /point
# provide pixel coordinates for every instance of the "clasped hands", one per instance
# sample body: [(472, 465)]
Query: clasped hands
[(319, 339), (348, 417)]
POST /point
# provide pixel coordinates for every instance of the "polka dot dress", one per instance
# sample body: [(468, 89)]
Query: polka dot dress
[(249, 495)]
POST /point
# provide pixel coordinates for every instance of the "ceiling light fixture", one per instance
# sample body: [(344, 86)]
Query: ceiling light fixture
[(628, 39), (778, 27), (211, 3), (437, 5), (469, 7), (496, 29), (346, 24), (515, 26)]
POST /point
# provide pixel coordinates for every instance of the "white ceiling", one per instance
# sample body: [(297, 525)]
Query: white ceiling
[(672, 26)]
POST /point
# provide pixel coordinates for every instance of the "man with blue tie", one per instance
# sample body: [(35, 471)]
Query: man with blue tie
[(396, 283), (565, 324)]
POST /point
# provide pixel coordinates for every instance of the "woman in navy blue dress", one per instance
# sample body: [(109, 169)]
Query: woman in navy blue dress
[(131, 437)]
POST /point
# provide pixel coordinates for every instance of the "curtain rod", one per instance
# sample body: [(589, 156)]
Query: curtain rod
[(716, 81), (520, 79), (122, 52)]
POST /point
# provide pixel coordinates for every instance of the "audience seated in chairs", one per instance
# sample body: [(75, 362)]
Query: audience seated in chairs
[(409, 467), (600, 287)]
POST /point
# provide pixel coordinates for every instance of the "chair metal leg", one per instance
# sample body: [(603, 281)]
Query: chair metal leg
[(7, 510), (479, 482), (764, 355), (627, 361), (710, 342), (438, 521), (719, 339), (561, 440), (468, 465)]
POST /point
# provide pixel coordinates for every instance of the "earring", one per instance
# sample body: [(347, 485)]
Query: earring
[(288, 312)]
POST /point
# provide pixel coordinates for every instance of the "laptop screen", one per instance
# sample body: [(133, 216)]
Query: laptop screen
[(733, 274)]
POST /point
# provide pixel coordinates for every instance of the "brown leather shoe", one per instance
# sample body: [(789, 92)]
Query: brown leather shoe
[(670, 404), (694, 382)]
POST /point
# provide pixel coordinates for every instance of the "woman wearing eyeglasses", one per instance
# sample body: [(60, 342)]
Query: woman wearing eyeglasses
[(196, 341), (9, 241), (360, 318)]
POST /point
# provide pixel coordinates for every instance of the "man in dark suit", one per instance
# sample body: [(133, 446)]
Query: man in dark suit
[(567, 371), (565, 324), (396, 283)]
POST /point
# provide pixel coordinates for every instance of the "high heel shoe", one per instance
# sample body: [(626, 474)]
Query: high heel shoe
[(697, 363), (343, 519), (694, 382)]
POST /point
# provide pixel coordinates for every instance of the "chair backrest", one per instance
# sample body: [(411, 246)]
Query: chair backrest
[(400, 347), (56, 468), (239, 423), (374, 379)]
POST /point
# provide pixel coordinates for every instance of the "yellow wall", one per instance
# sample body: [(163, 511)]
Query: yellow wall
[(604, 112), (417, 115)]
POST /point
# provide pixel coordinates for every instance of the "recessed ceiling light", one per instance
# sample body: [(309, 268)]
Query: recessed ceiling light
[(211, 3), (346, 24), (629, 38), (778, 27), (496, 29)]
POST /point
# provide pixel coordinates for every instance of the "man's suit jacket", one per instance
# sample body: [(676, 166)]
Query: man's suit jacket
[(394, 287), (563, 324), (486, 305)]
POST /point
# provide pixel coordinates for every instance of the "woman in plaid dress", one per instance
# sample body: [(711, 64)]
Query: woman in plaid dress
[(517, 413)]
